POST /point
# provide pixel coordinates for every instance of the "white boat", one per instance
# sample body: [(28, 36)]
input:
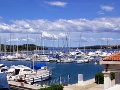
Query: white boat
[(28, 75), (65, 60), (81, 59), (43, 58), (3, 68)]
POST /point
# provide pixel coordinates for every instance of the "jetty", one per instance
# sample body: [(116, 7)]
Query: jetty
[(23, 86)]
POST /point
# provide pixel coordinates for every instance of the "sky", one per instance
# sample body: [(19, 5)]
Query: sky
[(56, 23)]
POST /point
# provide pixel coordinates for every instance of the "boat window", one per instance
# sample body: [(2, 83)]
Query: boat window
[(26, 70), (17, 71), (2, 66), (2, 70)]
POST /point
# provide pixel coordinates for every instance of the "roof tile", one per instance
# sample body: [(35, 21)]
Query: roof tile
[(113, 57)]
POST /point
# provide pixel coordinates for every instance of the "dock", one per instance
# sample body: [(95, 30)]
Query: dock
[(23, 86)]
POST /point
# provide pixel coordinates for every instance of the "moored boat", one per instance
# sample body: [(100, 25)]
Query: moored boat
[(28, 75)]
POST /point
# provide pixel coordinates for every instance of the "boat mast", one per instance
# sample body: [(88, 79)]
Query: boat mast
[(17, 46), (27, 44), (53, 44), (58, 45), (42, 44), (101, 41), (4, 47), (36, 43), (10, 43), (80, 40)]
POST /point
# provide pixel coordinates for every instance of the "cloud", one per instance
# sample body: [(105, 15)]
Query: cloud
[(107, 39), (29, 39), (62, 25), (83, 39), (118, 39), (91, 40), (49, 36), (62, 35), (13, 40), (107, 8), (1, 17), (57, 3), (100, 12), (46, 35)]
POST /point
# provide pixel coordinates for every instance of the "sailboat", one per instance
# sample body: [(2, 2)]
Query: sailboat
[(23, 73)]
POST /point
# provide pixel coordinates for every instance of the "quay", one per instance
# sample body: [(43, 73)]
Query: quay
[(22, 86), (87, 85)]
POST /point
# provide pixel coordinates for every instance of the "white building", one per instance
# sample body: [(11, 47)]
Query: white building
[(111, 64)]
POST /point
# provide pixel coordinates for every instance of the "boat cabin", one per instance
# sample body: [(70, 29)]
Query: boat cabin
[(20, 70), (3, 68)]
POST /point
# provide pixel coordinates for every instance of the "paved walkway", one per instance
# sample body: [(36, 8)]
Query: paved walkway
[(88, 85), (93, 86)]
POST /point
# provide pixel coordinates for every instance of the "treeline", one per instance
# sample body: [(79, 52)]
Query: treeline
[(101, 47), (24, 47)]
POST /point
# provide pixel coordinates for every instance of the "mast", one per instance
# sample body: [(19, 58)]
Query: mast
[(84, 48), (10, 43), (80, 40), (42, 44), (4, 47), (58, 45), (53, 45), (67, 43), (101, 41), (36, 44), (27, 44), (17, 46)]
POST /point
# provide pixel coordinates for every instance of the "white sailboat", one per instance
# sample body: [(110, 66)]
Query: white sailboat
[(28, 75), (81, 58)]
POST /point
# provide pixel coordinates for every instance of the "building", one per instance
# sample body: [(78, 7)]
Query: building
[(111, 64)]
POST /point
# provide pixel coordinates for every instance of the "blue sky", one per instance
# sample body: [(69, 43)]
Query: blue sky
[(83, 22)]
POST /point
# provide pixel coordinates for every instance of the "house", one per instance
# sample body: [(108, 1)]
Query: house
[(111, 64)]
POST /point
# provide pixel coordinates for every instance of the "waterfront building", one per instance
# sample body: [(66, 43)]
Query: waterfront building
[(111, 64)]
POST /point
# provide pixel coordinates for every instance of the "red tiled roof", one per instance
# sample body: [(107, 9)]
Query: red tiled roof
[(113, 57)]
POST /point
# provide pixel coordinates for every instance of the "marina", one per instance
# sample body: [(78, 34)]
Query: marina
[(63, 70), (56, 67), (66, 43)]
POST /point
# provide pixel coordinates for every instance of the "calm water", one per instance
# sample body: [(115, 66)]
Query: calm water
[(64, 69)]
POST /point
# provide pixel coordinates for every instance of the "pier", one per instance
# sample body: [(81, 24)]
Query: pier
[(22, 86)]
